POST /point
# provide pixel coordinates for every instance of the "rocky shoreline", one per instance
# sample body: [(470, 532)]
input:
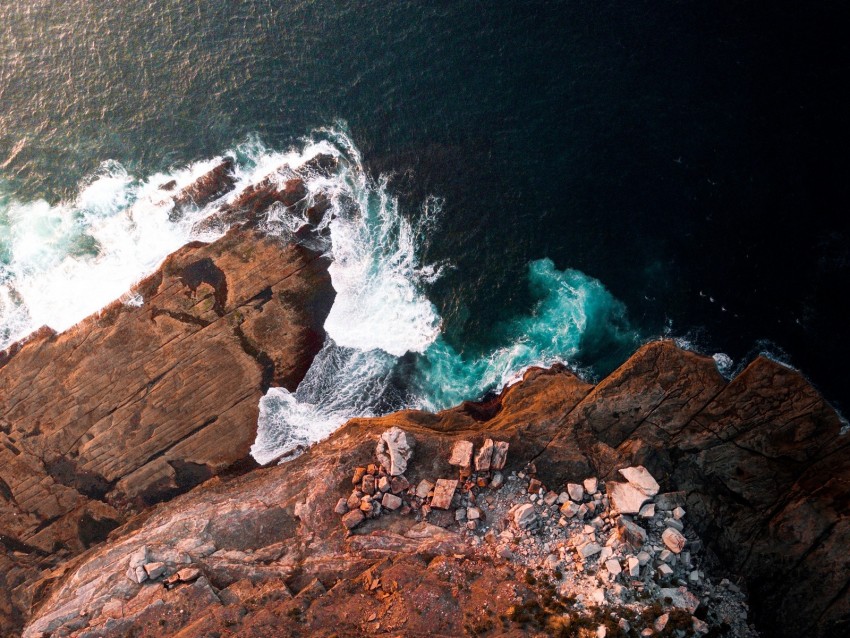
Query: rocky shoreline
[(664, 500)]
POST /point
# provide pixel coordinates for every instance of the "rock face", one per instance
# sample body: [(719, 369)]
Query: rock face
[(139, 403), (758, 464)]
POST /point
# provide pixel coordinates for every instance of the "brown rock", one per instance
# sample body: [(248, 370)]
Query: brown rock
[(444, 490), (500, 455), (391, 502), (359, 473), (398, 484), (353, 519), (484, 457), (367, 486), (461, 454)]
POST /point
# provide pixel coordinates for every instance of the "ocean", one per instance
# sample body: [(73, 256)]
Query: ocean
[(523, 182)]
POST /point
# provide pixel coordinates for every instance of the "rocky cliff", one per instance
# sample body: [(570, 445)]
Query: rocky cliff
[(129, 508)]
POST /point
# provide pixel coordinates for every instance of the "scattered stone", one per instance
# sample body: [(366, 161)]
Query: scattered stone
[(680, 597), (672, 522), (384, 484), (601, 631), (647, 511), (694, 576), (644, 558), (472, 525), (661, 622), (460, 515), (591, 485), (461, 454), (589, 549), (500, 455), (341, 506), (674, 540), (391, 501), (185, 575), (353, 519), (444, 490), (155, 570), (569, 509), (550, 498), (699, 626), (137, 574), (359, 473), (575, 491), (666, 556), (633, 565), (534, 486), (631, 532), (484, 457), (613, 566), (524, 516), (598, 595), (563, 497), (624, 625), (670, 500), (353, 501), (424, 488), (367, 486), (640, 478), (394, 450), (665, 570), (625, 497), (647, 632), (679, 513), (139, 557), (473, 513), (497, 480)]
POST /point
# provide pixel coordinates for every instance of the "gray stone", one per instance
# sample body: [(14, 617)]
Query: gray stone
[(631, 532), (674, 540), (680, 597), (625, 498), (679, 513), (563, 497), (137, 574), (672, 522), (139, 557), (341, 506), (460, 515), (633, 565), (461, 454), (484, 457), (500, 455), (444, 490), (394, 450), (664, 570), (640, 478), (497, 481), (647, 511)]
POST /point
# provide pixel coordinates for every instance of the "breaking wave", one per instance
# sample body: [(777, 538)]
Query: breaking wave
[(384, 348)]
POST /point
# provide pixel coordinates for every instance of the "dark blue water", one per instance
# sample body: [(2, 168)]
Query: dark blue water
[(690, 156)]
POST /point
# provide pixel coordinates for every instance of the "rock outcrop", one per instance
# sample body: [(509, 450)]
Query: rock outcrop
[(147, 399), (758, 464)]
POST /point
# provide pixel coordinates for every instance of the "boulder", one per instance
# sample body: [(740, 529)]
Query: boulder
[(461, 454), (640, 478), (444, 490), (394, 450), (484, 458), (625, 497)]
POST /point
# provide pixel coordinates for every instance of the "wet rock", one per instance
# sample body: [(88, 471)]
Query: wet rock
[(461, 454), (444, 490), (394, 450)]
